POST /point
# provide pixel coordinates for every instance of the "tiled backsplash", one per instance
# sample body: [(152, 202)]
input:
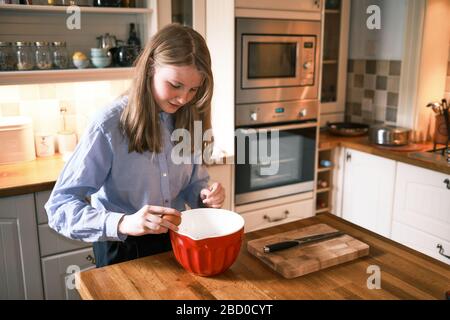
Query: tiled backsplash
[(43, 102), (372, 91)]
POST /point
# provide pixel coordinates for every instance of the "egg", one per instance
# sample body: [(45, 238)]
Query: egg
[(176, 220)]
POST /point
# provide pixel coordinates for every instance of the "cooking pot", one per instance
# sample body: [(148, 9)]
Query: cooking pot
[(389, 135)]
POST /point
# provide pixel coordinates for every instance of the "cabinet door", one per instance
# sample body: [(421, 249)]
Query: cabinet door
[(222, 174), (422, 203), (56, 273), (288, 5), (368, 191), (20, 272)]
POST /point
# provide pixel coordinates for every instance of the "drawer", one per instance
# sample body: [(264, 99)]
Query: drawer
[(41, 198), (56, 273), (420, 241), (276, 215), (51, 242)]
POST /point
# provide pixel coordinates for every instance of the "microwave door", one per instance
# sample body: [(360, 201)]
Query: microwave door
[(271, 61)]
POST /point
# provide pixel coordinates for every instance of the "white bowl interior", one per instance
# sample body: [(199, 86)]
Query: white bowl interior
[(203, 223)]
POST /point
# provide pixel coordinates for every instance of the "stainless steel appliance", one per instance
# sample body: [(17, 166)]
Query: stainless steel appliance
[(277, 73), (276, 60), (277, 77)]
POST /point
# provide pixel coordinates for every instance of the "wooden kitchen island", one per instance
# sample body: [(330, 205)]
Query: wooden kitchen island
[(405, 274)]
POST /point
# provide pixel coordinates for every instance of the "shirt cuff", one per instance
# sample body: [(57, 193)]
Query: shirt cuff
[(112, 226)]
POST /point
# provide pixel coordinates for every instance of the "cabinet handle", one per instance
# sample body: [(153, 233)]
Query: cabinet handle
[(447, 182), (441, 251), (90, 259), (286, 213), (348, 157)]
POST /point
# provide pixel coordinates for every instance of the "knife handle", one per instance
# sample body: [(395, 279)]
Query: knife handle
[(280, 246)]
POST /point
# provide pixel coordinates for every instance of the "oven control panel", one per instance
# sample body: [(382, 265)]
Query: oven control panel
[(276, 112), (307, 59)]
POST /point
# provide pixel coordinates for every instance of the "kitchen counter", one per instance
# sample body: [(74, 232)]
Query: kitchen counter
[(362, 144), (34, 176), (405, 274)]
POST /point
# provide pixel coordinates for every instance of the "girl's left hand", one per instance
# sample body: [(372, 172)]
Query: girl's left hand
[(214, 196)]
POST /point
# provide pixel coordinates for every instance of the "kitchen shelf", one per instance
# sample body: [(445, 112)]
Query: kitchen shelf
[(66, 75), (323, 190), (322, 210), (63, 9), (329, 61), (332, 11), (325, 169)]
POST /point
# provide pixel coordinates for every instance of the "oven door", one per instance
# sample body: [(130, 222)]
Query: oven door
[(274, 162)]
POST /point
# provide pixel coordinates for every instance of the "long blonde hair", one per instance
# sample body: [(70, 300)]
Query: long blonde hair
[(174, 45)]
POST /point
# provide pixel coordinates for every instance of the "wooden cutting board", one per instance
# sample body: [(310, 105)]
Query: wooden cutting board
[(301, 260)]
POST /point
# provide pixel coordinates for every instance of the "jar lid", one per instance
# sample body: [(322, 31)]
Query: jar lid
[(23, 43), (41, 43), (14, 123), (4, 44), (59, 43)]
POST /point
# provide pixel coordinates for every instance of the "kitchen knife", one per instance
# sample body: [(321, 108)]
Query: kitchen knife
[(300, 241)]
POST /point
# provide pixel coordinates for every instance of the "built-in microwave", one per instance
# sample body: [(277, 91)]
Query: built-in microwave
[(276, 60)]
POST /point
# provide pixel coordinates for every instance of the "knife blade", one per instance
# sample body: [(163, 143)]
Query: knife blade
[(301, 241)]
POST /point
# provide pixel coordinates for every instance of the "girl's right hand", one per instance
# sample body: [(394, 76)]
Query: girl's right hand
[(147, 221)]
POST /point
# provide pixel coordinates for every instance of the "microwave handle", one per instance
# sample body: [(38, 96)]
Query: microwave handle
[(281, 128)]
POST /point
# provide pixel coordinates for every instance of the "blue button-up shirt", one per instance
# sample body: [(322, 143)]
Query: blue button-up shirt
[(117, 181)]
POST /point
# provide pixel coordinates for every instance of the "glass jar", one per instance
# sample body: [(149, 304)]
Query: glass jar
[(24, 55), (7, 56), (43, 55), (60, 55)]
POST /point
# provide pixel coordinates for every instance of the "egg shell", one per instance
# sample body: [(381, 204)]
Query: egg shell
[(176, 220)]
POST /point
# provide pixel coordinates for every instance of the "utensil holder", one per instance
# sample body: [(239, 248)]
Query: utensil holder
[(440, 130)]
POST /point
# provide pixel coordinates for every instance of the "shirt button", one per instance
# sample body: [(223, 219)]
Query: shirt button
[(164, 174)]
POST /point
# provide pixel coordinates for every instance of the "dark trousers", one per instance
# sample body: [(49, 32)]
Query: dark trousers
[(111, 252)]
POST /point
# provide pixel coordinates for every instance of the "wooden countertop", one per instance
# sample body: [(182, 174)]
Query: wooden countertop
[(362, 144), (32, 176), (37, 175), (405, 274)]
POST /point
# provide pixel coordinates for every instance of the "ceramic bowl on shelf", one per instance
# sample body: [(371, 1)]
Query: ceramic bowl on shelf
[(99, 52), (101, 62), (81, 63), (208, 240)]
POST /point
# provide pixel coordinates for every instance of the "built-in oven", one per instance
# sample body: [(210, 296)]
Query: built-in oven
[(274, 161), (276, 60), (277, 73)]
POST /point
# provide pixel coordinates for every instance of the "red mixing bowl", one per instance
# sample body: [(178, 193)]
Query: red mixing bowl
[(208, 240)]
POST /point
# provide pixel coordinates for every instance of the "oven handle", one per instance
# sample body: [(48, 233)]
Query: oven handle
[(281, 128)]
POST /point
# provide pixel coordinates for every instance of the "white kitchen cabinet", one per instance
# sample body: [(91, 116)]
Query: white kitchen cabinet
[(368, 191), (20, 271), (421, 217), (223, 174)]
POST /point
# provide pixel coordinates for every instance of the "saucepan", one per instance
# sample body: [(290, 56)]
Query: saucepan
[(208, 240), (389, 135)]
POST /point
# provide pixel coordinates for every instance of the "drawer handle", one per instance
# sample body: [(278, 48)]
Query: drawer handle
[(447, 182), (441, 251), (286, 213), (90, 259)]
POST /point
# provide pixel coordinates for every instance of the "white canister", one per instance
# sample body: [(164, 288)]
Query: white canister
[(67, 141), (16, 140), (45, 144)]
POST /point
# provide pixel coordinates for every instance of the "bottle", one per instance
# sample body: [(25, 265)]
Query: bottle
[(133, 39)]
